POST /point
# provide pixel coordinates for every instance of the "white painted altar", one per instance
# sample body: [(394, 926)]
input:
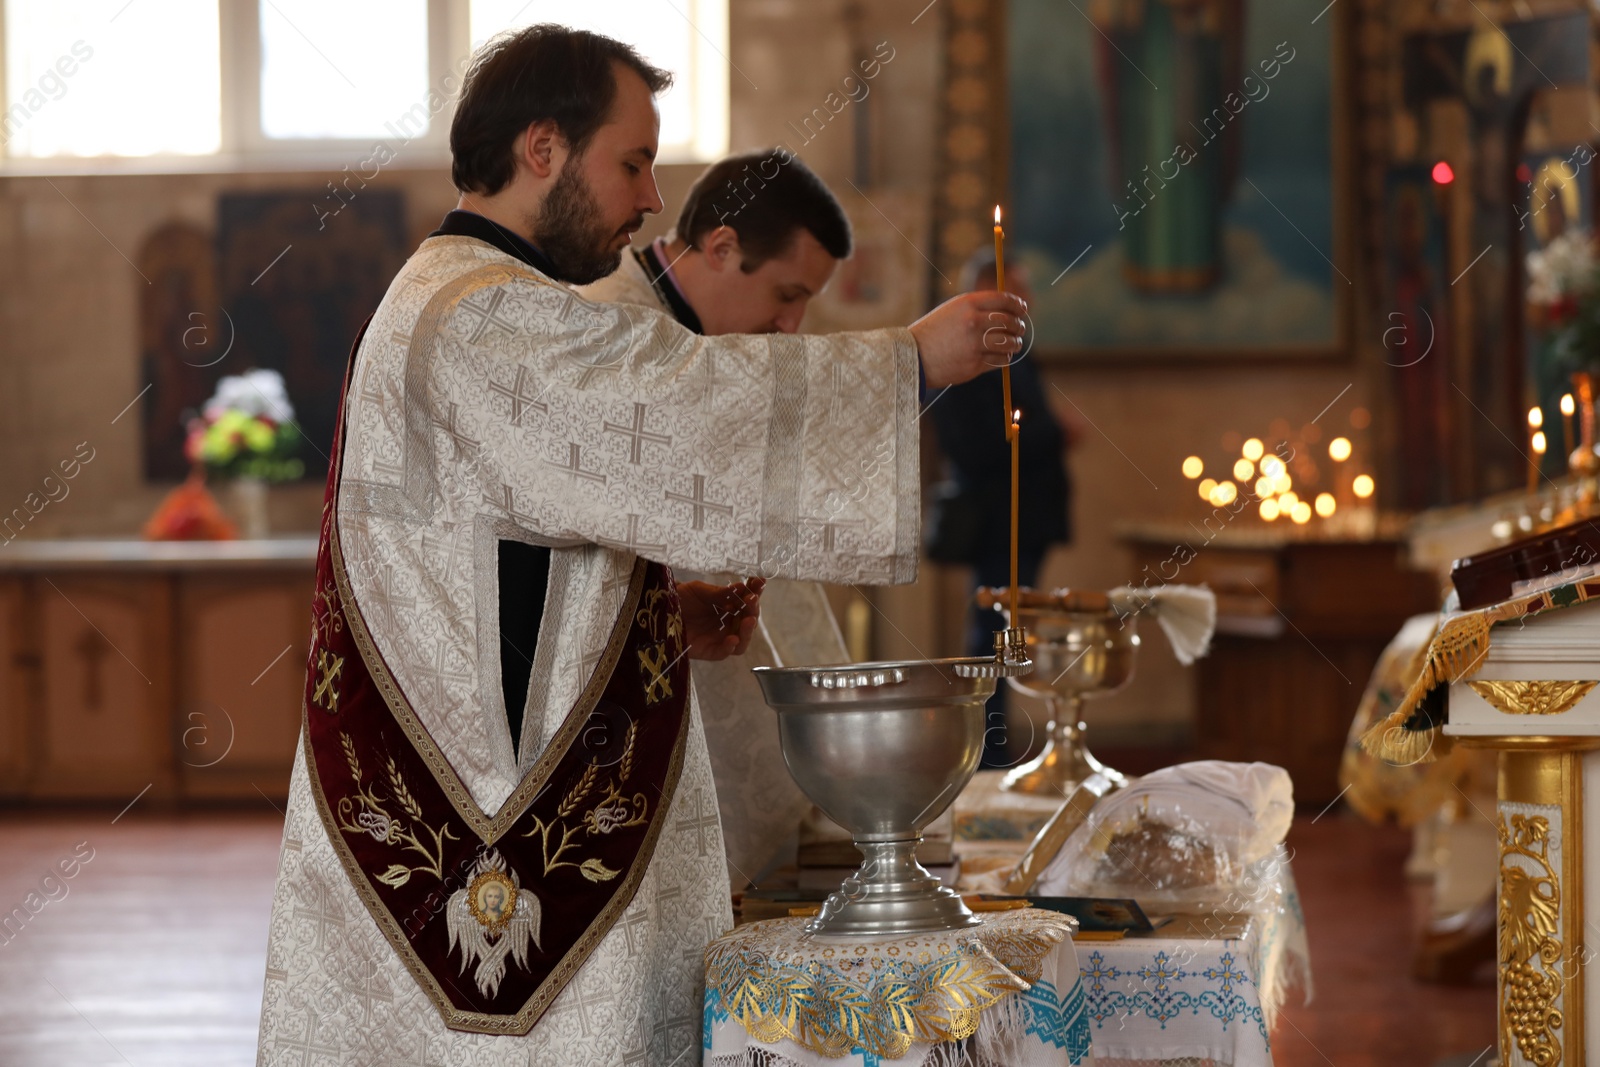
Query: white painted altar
[(1531, 698)]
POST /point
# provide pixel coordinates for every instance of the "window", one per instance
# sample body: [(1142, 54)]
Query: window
[(212, 84), (340, 70), (106, 77), (687, 37)]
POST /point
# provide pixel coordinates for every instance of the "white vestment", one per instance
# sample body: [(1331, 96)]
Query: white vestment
[(487, 403), (759, 803)]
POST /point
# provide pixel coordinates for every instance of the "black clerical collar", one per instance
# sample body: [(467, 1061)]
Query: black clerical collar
[(657, 269), (469, 224)]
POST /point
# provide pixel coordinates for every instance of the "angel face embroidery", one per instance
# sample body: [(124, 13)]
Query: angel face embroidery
[(490, 919)]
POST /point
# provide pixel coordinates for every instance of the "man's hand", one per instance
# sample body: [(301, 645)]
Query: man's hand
[(969, 334), (719, 619)]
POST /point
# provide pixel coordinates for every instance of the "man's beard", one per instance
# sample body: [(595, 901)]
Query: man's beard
[(571, 233)]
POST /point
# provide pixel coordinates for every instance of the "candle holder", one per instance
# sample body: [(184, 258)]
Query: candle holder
[(1081, 649)]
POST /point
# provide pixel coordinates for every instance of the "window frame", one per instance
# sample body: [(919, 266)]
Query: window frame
[(244, 146)]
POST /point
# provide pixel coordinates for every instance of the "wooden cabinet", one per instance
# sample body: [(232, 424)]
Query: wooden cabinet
[(175, 669), (1300, 625)]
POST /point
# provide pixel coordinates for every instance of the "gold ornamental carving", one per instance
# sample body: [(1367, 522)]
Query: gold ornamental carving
[(1532, 698), (1530, 912)]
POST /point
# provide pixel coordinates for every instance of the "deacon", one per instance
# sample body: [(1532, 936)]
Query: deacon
[(757, 237), (465, 881)]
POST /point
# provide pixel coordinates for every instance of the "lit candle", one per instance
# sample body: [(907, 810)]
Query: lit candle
[(1568, 409), (1536, 445), (1016, 438), (1013, 417)]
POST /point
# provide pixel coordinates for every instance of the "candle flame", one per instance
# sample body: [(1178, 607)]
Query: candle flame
[(1535, 418), (1567, 406), (1016, 415), (997, 214), (1539, 443)]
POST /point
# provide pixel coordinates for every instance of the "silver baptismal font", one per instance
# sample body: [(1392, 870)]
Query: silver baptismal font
[(883, 749)]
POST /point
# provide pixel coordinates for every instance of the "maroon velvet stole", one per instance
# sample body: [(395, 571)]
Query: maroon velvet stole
[(493, 915)]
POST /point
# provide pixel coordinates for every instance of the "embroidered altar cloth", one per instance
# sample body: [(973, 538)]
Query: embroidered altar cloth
[(1002, 993), (1205, 989)]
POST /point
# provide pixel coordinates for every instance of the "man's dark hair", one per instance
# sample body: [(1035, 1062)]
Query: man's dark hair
[(541, 73), (767, 197)]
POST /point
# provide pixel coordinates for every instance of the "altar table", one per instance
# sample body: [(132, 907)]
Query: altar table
[(1006, 992)]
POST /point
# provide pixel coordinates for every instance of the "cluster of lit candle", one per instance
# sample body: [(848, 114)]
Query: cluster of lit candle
[(1538, 445), (1268, 476)]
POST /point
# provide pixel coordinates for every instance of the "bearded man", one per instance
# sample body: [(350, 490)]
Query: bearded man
[(497, 697)]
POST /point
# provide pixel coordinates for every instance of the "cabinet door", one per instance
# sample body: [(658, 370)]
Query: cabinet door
[(19, 659), (242, 659), (106, 687)]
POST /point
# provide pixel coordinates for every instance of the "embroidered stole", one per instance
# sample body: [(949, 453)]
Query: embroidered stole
[(493, 915)]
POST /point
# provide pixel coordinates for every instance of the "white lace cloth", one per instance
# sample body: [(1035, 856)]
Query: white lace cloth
[(760, 973)]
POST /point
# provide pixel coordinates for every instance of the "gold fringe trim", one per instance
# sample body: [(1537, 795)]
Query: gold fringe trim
[(1456, 650)]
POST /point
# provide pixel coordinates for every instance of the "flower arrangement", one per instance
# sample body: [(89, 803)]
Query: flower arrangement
[(1564, 299), (247, 430)]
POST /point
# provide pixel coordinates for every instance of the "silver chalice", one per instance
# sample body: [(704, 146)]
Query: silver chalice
[(1081, 648), (883, 749)]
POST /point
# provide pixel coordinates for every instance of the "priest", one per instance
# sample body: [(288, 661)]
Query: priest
[(464, 881), (757, 237)]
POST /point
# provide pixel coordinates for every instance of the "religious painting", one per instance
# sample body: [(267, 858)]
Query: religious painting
[(1172, 175), (297, 282), (284, 285), (1417, 328)]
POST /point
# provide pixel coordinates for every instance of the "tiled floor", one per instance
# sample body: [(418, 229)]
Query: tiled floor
[(152, 954)]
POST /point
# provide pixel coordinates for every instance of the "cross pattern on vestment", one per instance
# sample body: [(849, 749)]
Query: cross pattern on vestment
[(483, 316), (384, 598), (371, 382), (449, 546), (321, 912), (693, 955), (394, 471), (459, 441), (699, 503), (508, 503), (836, 375), (307, 1046), (520, 401), (326, 694), (637, 435), (582, 1002), (574, 467), (365, 991), (438, 674), (664, 1028), (700, 821), (883, 575), (415, 279), (421, 1059), (830, 528), (668, 339), (631, 542), (591, 369), (706, 379), (634, 920)]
